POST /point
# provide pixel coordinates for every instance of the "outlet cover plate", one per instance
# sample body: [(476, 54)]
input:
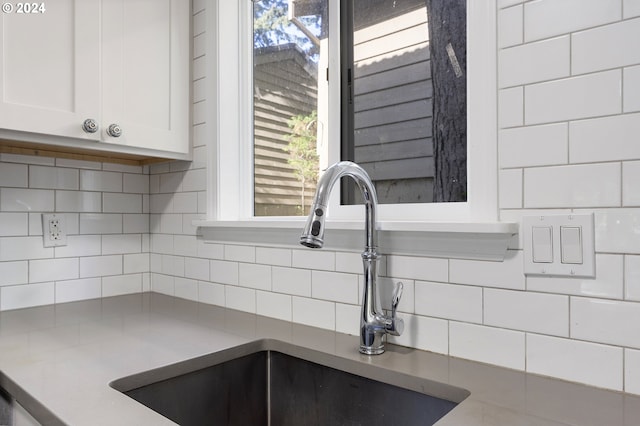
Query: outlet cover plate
[(54, 230)]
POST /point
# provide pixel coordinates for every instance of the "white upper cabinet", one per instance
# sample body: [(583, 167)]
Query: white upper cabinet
[(118, 62)]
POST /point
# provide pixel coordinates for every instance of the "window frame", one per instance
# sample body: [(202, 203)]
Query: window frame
[(230, 129)]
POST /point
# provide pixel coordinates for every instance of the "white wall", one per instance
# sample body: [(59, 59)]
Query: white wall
[(569, 120)]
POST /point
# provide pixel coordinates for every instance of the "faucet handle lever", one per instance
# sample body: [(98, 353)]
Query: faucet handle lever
[(393, 324), (397, 294)]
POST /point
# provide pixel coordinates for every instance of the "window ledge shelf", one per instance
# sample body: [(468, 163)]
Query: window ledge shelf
[(460, 240)]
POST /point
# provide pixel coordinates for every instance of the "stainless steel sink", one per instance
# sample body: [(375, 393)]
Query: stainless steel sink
[(274, 383)]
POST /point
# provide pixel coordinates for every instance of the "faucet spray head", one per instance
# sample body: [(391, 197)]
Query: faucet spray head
[(313, 233)]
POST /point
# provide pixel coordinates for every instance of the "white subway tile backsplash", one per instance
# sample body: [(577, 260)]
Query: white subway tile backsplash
[(274, 305), (240, 253), (313, 312), (171, 182), (185, 245), (53, 269), (334, 286), (121, 203), (606, 284), (14, 175), (534, 62), (527, 311), (161, 203), (632, 371), (588, 185), (352, 263), (574, 98), (163, 284), (185, 202), (14, 224), (120, 244), (593, 364), (94, 180), (80, 245), (224, 272), (631, 277), (78, 201), (82, 289), (419, 268), (273, 256), (314, 259), (510, 189), (630, 187), (23, 248), (606, 321), (511, 107), (161, 243), (171, 223), (616, 46), (121, 284), (348, 319), (240, 298), (496, 346), (428, 334), (620, 132), (296, 282), (631, 8), (210, 250), (211, 293), (123, 168), (511, 26), (98, 266), (254, 276), (14, 273), (615, 230), (135, 223), (548, 18), (138, 184), (25, 296), (78, 164), (448, 301), (386, 288), (173, 265), (23, 200), (135, 263), (631, 88), (507, 274), (186, 288), (99, 223), (196, 268), (534, 146), (53, 178), (28, 159)]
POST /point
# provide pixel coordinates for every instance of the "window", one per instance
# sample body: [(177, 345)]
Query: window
[(233, 173), (404, 98), (289, 55)]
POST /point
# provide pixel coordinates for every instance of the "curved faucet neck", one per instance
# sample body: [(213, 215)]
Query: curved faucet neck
[(368, 190)]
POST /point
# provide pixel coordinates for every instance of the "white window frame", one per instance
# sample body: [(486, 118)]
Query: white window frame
[(229, 130)]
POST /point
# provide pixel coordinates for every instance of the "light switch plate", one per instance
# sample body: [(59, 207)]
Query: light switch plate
[(584, 222)]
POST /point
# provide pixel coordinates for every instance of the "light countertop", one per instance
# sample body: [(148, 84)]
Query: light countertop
[(60, 359)]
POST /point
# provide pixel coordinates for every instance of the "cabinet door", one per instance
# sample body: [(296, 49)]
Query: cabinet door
[(145, 72), (49, 70)]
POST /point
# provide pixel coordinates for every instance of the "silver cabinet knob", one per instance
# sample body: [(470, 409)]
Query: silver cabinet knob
[(114, 130), (90, 125)]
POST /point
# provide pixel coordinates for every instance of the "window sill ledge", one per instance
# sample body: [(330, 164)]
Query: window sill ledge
[(460, 240)]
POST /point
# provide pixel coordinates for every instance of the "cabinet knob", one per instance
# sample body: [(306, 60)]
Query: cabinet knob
[(90, 125), (114, 130)]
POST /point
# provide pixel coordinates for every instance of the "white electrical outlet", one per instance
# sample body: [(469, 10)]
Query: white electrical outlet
[(54, 230)]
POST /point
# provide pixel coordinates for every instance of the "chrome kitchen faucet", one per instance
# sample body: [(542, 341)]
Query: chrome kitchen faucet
[(374, 325)]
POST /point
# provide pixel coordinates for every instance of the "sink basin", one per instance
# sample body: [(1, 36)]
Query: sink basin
[(275, 383)]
